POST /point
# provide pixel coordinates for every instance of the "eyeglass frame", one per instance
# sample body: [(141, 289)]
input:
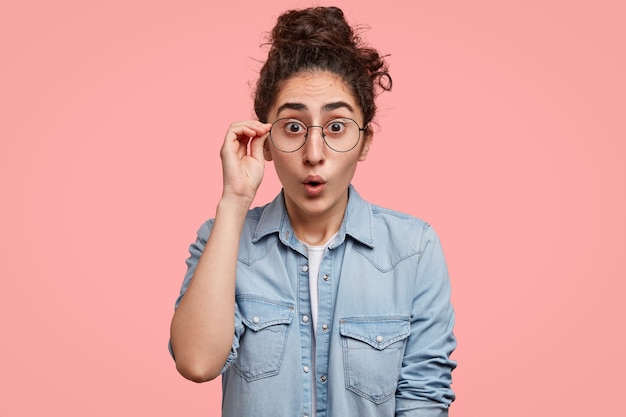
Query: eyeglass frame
[(306, 135)]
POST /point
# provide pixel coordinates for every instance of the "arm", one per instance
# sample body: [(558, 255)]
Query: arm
[(202, 328), (424, 386)]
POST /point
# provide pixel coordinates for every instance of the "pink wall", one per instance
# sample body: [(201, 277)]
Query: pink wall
[(506, 130)]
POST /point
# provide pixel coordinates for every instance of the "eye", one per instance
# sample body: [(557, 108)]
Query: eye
[(335, 127), (294, 127)]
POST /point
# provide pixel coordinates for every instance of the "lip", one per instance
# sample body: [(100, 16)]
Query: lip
[(314, 185)]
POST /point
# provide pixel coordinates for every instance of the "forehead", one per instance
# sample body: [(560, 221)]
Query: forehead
[(318, 91)]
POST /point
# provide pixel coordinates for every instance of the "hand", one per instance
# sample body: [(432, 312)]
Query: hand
[(243, 163)]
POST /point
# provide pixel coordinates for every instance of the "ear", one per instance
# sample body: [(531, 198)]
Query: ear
[(267, 154), (367, 141)]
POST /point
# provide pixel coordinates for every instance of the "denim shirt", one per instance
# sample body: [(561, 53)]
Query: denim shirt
[(385, 322)]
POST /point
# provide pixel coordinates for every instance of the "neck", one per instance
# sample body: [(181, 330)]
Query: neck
[(316, 229), (315, 234)]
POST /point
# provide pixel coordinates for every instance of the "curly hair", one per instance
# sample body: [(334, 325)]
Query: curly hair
[(320, 39)]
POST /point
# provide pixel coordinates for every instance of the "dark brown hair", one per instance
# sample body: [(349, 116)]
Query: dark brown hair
[(314, 39)]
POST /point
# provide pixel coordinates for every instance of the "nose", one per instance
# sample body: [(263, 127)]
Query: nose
[(314, 148)]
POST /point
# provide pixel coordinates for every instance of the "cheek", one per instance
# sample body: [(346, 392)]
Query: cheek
[(284, 167), (348, 167)]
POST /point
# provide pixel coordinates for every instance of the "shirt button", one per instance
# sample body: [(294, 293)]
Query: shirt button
[(256, 320), (305, 268), (325, 327), (305, 369), (305, 319), (379, 339), (326, 277), (323, 378)]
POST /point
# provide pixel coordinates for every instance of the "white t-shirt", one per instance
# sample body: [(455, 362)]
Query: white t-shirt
[(315, 255)]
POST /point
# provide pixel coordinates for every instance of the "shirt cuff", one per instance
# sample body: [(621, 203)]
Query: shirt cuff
[(416, 408)]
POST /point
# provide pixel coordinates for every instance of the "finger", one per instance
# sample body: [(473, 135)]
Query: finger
[(256, 146), (243, 131), (256, 129), (236, 140)]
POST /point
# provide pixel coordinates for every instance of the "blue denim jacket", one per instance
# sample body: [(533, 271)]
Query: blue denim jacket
[(385, 321)]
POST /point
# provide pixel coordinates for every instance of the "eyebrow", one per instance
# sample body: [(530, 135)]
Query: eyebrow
[(327, 107)]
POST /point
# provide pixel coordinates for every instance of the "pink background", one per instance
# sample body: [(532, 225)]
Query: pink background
[(505, 130)]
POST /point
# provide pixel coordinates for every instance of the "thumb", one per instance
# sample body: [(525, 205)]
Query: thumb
[(256, 146)]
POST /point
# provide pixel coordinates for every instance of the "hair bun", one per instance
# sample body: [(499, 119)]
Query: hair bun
[(322, 27), (320, 38)]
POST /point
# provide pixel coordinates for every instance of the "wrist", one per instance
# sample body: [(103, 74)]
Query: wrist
[(234, 204)]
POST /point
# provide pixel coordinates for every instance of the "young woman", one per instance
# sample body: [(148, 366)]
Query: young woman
[(318, 303)]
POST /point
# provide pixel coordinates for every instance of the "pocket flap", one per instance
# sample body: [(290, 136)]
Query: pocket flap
[(258, 313), (378, 332)]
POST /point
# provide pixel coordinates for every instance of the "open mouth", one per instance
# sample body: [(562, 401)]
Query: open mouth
[(314, 185)]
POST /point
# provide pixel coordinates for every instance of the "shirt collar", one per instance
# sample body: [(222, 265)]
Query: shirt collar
[(357, 222)]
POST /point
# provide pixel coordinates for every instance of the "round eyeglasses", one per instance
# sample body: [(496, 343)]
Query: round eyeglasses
[(340, 135)]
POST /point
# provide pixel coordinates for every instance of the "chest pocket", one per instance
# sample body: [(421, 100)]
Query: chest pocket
[(373, 348), (262, 344)]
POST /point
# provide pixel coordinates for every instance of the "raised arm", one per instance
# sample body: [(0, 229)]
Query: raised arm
[(202, 328)]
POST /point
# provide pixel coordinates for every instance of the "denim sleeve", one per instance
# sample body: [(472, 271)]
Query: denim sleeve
[(195, 251), (426, 375)]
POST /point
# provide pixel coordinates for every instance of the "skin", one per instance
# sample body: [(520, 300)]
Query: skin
[(200, 336)]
